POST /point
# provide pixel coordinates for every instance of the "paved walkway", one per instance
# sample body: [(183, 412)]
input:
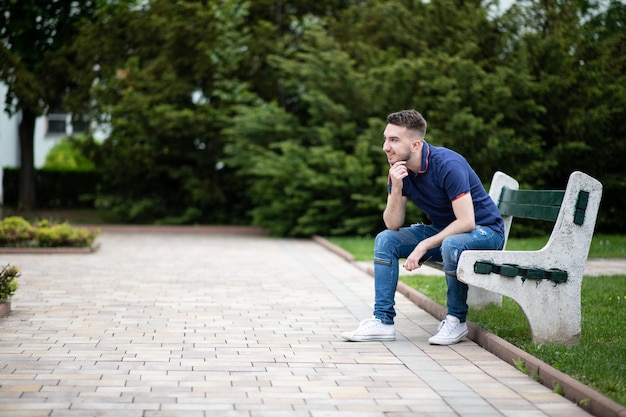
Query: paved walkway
[(200, 324)]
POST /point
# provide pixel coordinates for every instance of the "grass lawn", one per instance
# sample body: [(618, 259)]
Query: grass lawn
[(598, 360)]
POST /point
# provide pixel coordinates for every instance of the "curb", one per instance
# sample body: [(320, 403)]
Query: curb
[(48, 251), (578, 393), (238, 230)]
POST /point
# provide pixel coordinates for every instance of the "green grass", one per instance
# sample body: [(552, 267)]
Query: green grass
[(602, 246), (597, 360)]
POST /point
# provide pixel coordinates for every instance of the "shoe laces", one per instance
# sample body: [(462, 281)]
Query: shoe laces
[(447, 327), (371, 321)]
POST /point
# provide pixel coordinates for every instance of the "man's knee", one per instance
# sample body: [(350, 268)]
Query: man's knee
[(385, 246), (384, 238), (451, 252)]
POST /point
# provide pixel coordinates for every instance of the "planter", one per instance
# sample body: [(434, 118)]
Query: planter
[(8, 286), (52, 250), (5, 308)]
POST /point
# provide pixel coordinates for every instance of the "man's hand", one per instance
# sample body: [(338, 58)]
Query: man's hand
[(413, 260), (397, 172)]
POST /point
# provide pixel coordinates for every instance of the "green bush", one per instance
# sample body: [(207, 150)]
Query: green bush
[(16, 229), (64, 235), (17, 232), (8, 282), (68, 155)]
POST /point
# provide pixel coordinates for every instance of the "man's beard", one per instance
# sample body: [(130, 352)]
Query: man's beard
[(406, 156)]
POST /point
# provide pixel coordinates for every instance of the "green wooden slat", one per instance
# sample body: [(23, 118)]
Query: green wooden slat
[(483, 267), (528, 211), (583, 200), (579, 217), (541, 197), (509, 270), (531, 204), (512, 270), (581, 207), (534, 273), (557, 275)]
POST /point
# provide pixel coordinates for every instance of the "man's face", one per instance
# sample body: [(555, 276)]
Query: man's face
[(398, 144)]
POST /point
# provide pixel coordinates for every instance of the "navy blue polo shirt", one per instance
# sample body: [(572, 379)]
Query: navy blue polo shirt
[(445, 176)]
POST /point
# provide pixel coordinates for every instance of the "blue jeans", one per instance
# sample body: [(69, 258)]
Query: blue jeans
[(391, 245)]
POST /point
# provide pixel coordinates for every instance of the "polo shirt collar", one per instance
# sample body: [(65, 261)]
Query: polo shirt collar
[(425, 157)]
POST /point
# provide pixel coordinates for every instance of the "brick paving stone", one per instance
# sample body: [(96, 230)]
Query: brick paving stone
[(159, 324)]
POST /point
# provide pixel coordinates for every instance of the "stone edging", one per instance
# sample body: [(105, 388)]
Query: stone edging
[(55, 250), (580, 394), (238, 230)]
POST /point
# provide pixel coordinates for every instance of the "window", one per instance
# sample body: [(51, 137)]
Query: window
[(57, 124), (80, 124), (62, 124)]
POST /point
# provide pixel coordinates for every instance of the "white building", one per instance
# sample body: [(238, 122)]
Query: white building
[(49, 130)]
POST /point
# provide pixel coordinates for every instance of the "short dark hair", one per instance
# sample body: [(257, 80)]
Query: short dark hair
[(411, 119)]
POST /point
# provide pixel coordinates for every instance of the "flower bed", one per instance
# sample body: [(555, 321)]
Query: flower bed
[(16, 232)]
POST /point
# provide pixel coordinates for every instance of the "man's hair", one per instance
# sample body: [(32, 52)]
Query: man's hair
[(411, 119)]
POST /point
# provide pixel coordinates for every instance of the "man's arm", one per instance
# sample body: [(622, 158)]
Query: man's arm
[(463, 208), (395, 211)]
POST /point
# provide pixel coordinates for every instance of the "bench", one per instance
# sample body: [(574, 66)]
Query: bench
[(545, 283)]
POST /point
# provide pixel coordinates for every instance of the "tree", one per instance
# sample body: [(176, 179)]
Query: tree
[(575, 52), (270, 24), (444, 58), (34, 62), (167, 83), (598, 109), (311, 166)]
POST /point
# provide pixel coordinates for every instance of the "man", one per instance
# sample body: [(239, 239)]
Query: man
[(462, 215)]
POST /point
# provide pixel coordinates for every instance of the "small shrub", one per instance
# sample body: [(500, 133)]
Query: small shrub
[(64, 235), (17, 232), (8, 282)]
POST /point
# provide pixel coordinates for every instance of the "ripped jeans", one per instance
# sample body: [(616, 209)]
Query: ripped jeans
[(392, 245)]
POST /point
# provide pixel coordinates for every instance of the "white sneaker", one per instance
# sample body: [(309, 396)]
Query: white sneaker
[(450, 331), (371, 330)]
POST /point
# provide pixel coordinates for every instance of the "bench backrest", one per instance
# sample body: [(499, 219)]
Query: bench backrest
[(499, 183), (547, 204), (540, 204), (531, 204)]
